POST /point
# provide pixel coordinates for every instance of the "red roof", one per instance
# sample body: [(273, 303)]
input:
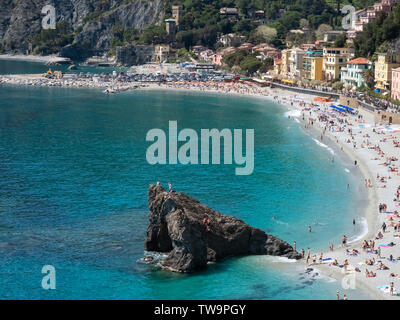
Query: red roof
[(359, 61)]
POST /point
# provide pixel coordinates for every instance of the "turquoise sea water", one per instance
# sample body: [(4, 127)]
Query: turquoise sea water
[(73, 194)]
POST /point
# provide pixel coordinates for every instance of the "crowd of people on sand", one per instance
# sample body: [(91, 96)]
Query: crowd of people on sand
[(347, 128), (222, 87)]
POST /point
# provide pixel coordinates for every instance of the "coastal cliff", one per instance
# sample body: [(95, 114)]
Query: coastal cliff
[(90, 22), (178, 225)]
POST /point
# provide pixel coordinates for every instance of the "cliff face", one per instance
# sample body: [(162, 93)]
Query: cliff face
[(177, 226), (91, 20)]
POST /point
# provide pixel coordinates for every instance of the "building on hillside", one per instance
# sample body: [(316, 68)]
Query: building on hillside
[(207, 55), (385, 6), (177, 12), (331, 36), (353, 72), (265, 50), (295, 69), (218, 58), (257, 16), (231, 13), (163, 53), (395, 94), (308, 46), (277, 67), (248, 47), (312, 65), (170, 25), (296, 31), (366, 16), (134, 54), (231, 39), (334, 60), (285, 62), (198, 49), (384, 65)]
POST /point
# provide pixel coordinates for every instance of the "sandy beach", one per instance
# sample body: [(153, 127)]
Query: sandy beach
[(375, 151), (371, 147)]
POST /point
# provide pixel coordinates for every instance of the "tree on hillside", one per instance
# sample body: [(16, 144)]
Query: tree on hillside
[(304, 23), (250, 64), (369, 78), (322, 29), (268, 34), (340, 41)]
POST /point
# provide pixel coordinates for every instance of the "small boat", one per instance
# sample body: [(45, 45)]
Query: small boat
[(110, 90)]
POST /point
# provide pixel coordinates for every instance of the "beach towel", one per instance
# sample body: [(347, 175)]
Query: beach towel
[(351, 271), (384, 245), (327, 259), (394, 261)]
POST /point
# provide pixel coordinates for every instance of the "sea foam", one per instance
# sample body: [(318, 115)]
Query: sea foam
[(364, 230), (293, 113), (324, 146)]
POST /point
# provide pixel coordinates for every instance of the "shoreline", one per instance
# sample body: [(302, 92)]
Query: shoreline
[(32, 58), (366, 169), (366, 172)]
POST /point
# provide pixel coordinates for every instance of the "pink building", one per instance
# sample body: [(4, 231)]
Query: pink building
[(217, 59), (396, 84)]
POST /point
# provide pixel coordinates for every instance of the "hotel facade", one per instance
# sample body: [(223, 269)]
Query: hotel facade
[(384, 65)]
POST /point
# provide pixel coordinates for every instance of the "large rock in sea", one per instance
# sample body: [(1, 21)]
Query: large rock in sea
[(176, 226)]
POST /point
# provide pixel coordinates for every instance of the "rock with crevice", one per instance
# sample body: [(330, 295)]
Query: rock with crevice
[(177, 226)]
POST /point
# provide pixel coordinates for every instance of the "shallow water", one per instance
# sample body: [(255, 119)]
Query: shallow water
[(73, 194)]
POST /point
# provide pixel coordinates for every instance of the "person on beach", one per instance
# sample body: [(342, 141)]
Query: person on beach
[(331, 247), (309, 228), (294, 245), (344, 241), (338, 294), (384, 227), (345, 297), (302, 253), (391, 288), (345, 265)]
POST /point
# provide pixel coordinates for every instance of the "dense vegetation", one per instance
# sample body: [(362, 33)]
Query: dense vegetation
[(201, 22), (378, 34), (247, 62), (50, 41)]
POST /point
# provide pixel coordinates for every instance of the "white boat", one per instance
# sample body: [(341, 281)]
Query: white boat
[(110, 90)]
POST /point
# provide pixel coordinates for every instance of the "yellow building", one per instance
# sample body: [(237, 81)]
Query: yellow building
[(285, 62), (333, 60), (312, 66), (384, 65), (277, 67)]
